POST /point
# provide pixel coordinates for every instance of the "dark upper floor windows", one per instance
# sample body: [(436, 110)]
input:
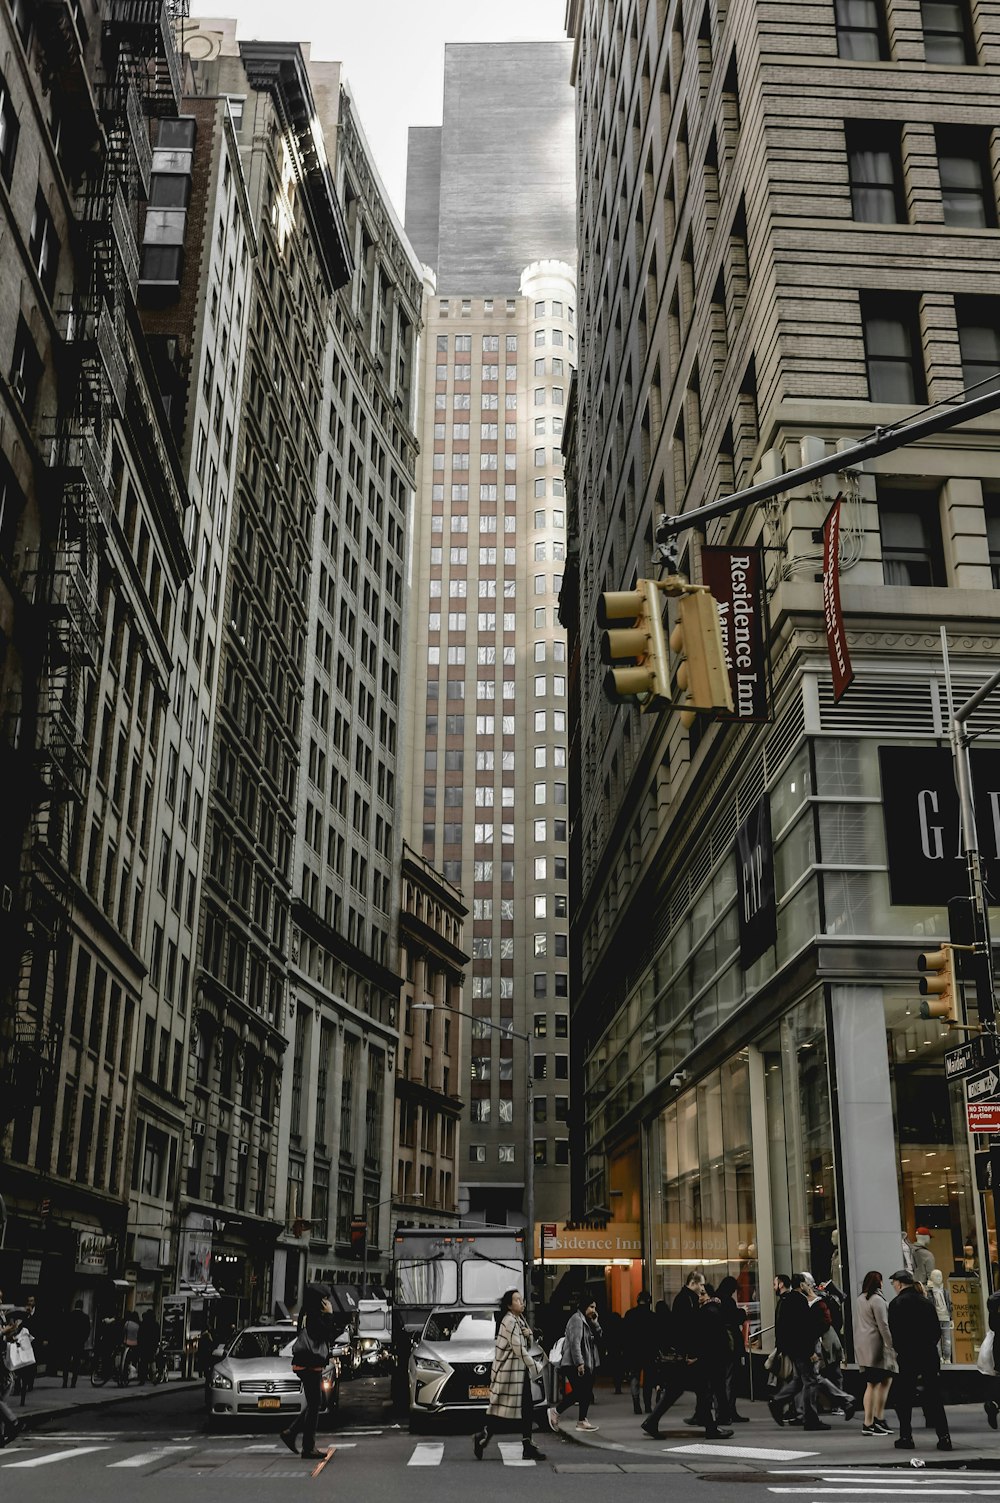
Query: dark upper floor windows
[(43, 245), (947, 31), (967, 194), (978, 320), (892, 348), (910, 525), (9, 131), (861, 33), (876, 172)]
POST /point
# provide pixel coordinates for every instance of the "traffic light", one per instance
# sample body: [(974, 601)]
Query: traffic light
[(632, 627), (939, 984), (697, 641)]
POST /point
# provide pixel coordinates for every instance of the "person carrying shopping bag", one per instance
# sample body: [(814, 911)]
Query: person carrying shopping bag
[(514, 1366), (580, 1361), (310, 1355)]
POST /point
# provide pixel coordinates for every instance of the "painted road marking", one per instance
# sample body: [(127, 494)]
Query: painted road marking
[(56, 1456), (750, 1453), (427, 1453), (510, 1450), (145, 1457)]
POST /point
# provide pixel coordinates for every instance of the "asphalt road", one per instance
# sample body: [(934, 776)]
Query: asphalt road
[(159, 1449)]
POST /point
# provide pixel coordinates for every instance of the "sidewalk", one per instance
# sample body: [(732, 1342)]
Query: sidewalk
[(762, 1445), (50, 1400)]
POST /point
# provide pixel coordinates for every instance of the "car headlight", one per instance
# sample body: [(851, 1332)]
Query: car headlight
[(430, 1364), (219, 1380)]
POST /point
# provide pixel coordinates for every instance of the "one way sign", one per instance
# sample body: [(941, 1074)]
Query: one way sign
[(982, 1087)]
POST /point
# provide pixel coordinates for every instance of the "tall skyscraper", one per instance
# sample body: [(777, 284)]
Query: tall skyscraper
[(787, 233), (490, 210)]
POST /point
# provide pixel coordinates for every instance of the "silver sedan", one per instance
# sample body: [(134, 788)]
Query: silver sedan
[(449, 1366), (255, 1376)]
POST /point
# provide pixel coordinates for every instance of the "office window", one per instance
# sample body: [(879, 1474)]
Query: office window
[(541, 1151), (947, 31), (967, 195), (979, 341), (477, 1153), (43, 245), (876, 172), (861, 32), (892, 344), (9, 131), (910, 525)]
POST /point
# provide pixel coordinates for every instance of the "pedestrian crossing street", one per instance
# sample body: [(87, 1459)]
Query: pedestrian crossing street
[(104, 1449), (907, 1482)]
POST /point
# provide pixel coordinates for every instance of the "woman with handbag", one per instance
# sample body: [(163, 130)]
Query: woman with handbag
[(9, 1422), (310, 1355), (580, 1361), (511, 1406), (873, 1352)]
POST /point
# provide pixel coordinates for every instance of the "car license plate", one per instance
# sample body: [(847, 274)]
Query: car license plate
[(479, 1393), (268, 1403)]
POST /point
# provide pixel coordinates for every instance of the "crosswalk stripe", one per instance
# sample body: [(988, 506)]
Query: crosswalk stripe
[(510, 1450), (56, 1456), (145, 1457), (427, 1454)]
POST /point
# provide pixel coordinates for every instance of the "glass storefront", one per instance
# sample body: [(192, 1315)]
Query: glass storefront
[(701, 1184)]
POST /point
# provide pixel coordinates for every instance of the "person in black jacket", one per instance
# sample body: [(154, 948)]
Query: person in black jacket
[(915, 1332), (77, 1334), (713, 1348), (735, 1319), (684, 1340), (639, 1344), (993, 1320), (316, 1324), (798, 1327)]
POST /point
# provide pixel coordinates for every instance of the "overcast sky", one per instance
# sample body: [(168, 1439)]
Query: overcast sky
[(393, 52)]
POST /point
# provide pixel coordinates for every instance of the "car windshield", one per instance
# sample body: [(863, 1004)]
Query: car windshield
[(461, 1325), (251, 1344)]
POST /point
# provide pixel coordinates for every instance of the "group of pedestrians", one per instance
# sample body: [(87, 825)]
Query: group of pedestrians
[(699, 1343)]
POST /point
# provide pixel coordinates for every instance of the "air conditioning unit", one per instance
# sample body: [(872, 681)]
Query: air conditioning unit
[(197, 1129)]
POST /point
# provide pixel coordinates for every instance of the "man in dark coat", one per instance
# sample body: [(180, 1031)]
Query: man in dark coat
[(913, 1323), (639, 1343), (711, 1334), (798, 1327), (77, 1336), (149, 1340), (685, 1338)]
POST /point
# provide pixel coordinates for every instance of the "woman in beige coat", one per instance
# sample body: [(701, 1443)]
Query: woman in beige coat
[(510, 1406), (873, 1352)]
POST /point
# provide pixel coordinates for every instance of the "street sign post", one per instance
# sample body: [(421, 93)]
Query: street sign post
[(977, 1053), (983, 1116), (982, 1087)]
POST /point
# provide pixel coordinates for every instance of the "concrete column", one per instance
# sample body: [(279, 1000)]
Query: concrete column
[(872, 1237)]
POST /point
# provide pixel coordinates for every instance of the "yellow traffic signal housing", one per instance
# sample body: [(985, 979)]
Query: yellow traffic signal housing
[(939, 984), (632, 628), (697, 641)]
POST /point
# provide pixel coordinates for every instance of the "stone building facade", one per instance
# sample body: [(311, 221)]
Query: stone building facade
[(786, 226)]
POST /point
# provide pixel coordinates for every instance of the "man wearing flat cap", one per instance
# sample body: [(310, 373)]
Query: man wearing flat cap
[(915, 1332)]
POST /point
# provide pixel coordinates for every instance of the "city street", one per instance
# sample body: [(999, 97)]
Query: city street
[(163, 1443)]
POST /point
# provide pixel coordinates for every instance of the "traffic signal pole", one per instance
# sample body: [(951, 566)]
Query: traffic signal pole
[(882, 441)]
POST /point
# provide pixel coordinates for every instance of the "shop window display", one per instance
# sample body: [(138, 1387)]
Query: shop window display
[(939, 1203)]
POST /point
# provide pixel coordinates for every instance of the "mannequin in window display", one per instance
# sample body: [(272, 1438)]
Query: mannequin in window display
[(907, 1252), (835, 1261), (924, 1261), (942, 1304)]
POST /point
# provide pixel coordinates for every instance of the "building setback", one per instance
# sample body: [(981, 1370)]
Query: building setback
[(487, 779), (786, 227)]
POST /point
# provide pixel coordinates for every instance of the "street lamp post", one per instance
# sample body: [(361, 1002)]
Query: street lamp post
[(376, 1205), (508, 1031)]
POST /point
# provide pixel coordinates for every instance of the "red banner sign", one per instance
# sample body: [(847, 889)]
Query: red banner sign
[(735, 578), (833, 619), (984, 1116)]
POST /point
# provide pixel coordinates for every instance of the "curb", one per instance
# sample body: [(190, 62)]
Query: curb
[(32, 1418)]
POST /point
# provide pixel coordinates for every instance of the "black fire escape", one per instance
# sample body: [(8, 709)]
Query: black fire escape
[(105, 90)]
